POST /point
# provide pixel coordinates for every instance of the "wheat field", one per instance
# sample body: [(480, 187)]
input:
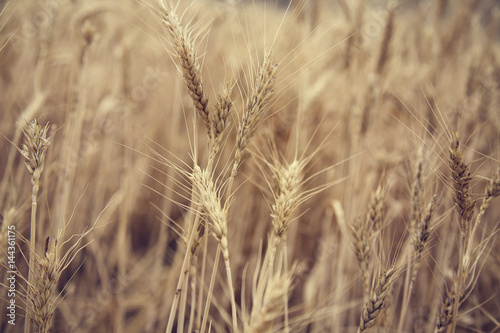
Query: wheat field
[(250, 166)]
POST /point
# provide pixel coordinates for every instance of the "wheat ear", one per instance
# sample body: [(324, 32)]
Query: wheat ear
[(269, 303), (363, 232), (461, 178), (492, 191), (376, 302), (287, 197), (220, 120), (421, 225), (182, 41), (43, 297), (254, 111)]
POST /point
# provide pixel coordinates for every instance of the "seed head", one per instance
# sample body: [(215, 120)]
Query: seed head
[(35, 147)]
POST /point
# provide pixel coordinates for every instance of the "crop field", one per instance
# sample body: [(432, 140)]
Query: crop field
[(249, 166)]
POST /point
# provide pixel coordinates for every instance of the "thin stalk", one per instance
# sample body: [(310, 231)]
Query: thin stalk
[(458, 285), (182, 277), (180, 324), (230, 285), (193, 298), (210, 290), (31, 264), (285, 295), (202, 279)]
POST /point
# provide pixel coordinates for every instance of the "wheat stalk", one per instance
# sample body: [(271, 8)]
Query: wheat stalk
[(34, 151), (42, 295), (415, 221), (469, 255), (210, 200)]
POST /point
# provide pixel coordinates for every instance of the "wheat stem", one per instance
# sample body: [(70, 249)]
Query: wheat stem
[(34, 151), (210, 290)]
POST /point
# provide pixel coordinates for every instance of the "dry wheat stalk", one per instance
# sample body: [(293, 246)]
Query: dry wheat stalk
[(492, 191), (445, 314), (420, 218), (424, 228), (420, 230), (182, 41), (384, 46), (461, 178), (43, 299), (42, 295), (286, 196), (469, 254), (376, 303), (253, 113), (34, 151), (363, 232), (209, 199), (474, 252), (255, 108), (363, 251), (269, 304)]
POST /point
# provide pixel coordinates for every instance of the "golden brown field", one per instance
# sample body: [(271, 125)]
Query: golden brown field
[(227, 166)]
